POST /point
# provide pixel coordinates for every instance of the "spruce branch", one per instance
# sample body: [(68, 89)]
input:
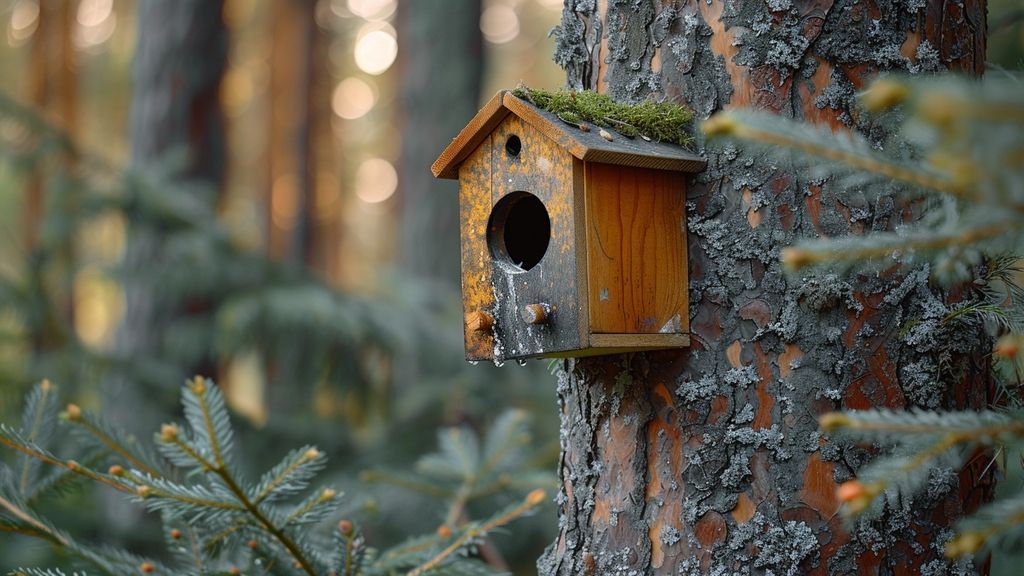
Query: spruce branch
[(36, 528), (38, 426), (113, 440), (846, 148), (478, 530), (204, 408), (15, 441)]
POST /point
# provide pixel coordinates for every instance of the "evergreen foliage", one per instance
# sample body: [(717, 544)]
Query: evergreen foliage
[(221, 298), (953, 149), (216, 521)]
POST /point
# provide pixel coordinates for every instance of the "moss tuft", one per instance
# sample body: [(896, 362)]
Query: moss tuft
[(658, 121)]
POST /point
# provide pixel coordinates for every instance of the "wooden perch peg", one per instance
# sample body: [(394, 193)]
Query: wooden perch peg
[(479, 321), (536, 313)]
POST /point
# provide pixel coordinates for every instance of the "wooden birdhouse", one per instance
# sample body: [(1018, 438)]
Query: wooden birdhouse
[(573, 240)]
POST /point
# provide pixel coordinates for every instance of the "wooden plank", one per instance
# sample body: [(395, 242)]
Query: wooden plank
[(636, 234), (579, 193), (469, 138), (639, 341), (474, 209)]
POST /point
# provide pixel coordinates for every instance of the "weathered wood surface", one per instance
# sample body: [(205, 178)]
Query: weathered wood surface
[(707, 460), (474, 208), (544, 169)]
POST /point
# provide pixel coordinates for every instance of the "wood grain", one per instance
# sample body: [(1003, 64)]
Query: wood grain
[(636, 259)]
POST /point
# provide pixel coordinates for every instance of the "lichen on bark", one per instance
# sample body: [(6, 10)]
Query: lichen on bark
[(710, 461)]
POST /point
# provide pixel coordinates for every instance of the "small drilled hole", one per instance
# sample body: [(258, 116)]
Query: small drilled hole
[(519, 231), (513, 146)]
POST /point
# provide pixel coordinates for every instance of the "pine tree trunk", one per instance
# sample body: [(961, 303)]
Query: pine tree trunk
[(179, 61), (440, 88), (708, 460), (291, 172)]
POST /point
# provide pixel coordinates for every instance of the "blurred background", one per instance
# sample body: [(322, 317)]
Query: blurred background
[(241, 189)]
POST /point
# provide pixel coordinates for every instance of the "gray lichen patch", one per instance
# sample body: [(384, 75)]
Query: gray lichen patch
[(771, 351)]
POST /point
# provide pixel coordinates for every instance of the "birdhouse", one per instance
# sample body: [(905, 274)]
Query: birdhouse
[(573, 239)]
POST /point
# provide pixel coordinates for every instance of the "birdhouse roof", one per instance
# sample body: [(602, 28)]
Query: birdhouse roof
[(589, 145)]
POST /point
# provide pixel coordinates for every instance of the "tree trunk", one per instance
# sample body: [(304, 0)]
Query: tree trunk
[(440, 88), (708, 460), (291, 167), (179, 61)]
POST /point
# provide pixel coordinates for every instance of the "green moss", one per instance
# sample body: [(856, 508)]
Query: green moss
[(658, 121)]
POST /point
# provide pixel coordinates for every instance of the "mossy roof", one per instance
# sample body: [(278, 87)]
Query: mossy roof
[(586, 145)]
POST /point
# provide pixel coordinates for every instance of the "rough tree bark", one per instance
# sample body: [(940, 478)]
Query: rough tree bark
[(708, 460)]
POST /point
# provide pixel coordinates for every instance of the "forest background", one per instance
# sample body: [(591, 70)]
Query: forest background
[(309, 263)]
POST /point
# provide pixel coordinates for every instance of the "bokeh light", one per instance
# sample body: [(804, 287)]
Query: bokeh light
[(376, 48), (372, 9), (352, 98), (96, 23), (499, 24), (376, 180), (24, 21)]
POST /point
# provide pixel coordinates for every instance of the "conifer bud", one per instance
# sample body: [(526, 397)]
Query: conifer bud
[(176, 534), (1007, 347), (252, 544), (345, 527), (115, 470), (965, 543), (73, 413), (721, 124), (858, 496), (444, 532), (535, 497), (834, 420), (143, 491), (147, 567), (74, 466), (311, 454), (328, 494), (45, 385), (938, 108), (234, 570), (168, 432), (883, 95), (198, 385), (796, 258)]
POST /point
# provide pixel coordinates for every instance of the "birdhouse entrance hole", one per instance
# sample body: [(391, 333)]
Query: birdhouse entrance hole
[(513, 146), (519, 231)]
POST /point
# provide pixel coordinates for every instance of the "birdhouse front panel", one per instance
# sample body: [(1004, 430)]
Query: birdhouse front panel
[(531, 243)]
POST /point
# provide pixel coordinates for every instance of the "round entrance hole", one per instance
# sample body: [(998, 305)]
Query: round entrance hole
[(519, 231), (513, 146)]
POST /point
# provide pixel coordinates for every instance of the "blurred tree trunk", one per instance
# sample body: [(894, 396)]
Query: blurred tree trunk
[(708, 460), (440, 67), (52, 86), (177, 128), (289, 129)]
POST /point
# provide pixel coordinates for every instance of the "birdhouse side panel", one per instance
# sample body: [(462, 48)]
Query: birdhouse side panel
[(538, 271), (636, 260), (477, 292)]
